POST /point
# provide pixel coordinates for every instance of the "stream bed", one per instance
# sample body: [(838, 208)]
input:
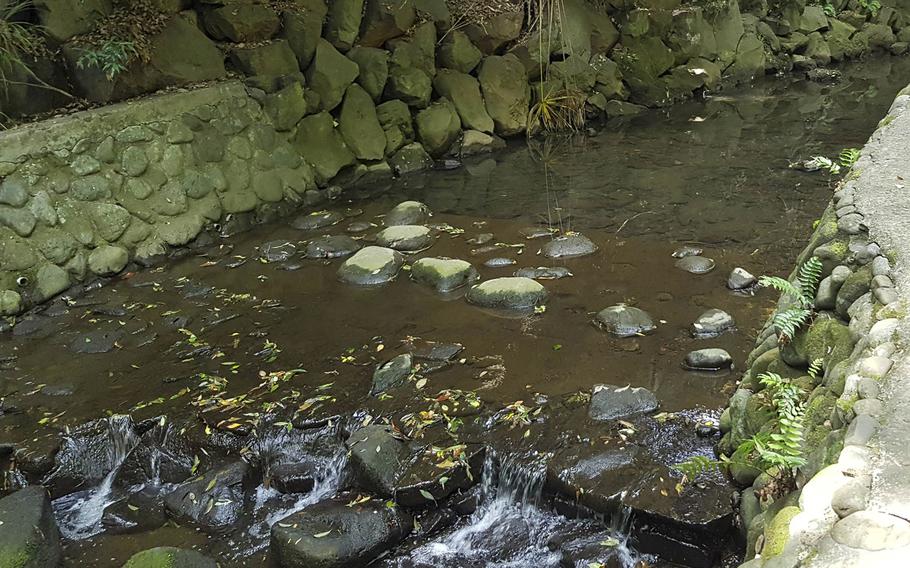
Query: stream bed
[(242, 357)]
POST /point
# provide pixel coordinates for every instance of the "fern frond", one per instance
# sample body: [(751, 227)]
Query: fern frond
[(810, 274), (789, 321), (782, 285), (815, 367), (848, 157), (698, 465)]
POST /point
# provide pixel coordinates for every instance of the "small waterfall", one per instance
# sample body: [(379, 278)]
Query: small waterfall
[(79, 514)]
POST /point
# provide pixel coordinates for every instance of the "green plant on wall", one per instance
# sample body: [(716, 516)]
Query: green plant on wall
[(871, 7), (848, 157), (829, 9), (112, 57), (802, 293), (17, 40)]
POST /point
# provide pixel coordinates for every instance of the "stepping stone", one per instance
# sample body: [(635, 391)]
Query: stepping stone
[(624, 321), (509, 293), (740, 279), (317, 220), (609, 402), (408, 238), (712, 359), (407, 213), (696, 264), (569, 246), (371, 266), (334, 246), (544, 272), (443, 274), (712, 323)]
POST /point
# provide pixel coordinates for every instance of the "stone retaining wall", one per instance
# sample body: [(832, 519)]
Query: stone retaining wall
[(852, 504)]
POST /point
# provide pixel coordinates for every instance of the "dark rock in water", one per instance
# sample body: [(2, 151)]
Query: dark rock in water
[(443, 274), (408, 238), (740, 279), (337, 534), (98, 341), (707, 428), (161, 455), (695, 264), (141, 511), (29, 537), (317, 220), (687, 250), (391, 373), (407, 213), (481, 239), (822, 75), (569, 246), (624, 321), (370, 266), (544, 272), (359, 227), (420, 483), (215, 500), (277, 251), (293, 477), (88, 453), (432, 351), (35, 327), (57, 390), (508, 293), (712, 323), (712, 359), (499, 262), (610, 402), (448, 164), (169, 557), (435, 521), (334, 246), (537, 232), (378, 458)]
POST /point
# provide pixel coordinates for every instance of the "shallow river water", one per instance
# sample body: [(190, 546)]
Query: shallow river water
[(156, 343)]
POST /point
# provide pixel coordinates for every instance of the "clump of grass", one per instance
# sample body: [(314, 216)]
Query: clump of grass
[(557, 110), (18, 40)]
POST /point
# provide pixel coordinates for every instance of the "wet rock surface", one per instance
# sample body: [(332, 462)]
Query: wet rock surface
[(569, 246), (711, 359), (712, 323), (334, 246), (407, 213), (371, 265), (508, 293), (29, 534), (610, 402), (406, 238), (695, 264), (624, 321), (443, 274)]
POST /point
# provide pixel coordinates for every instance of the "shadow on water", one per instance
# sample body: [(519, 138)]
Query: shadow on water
[(212, 335)]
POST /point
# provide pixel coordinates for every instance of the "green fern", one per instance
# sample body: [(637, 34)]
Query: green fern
[(781, 285), (848, 157), (696, 466), (815, 367), (810, 274), (787, 322)]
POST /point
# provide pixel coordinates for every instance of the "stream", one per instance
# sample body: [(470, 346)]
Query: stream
[(240, 347)]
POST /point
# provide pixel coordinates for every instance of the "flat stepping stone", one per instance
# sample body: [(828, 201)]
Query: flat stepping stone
[(740, 279), (371, 266), (712, 323), (334, 246), (392, 373), (624, 321), (359, 227), (443, 274), (508, 293), (499, 262), (277, 251), (407, 213), (408, 238), (711, 359), (569, 246), (170, 557), (609, 402), (544, 272), (696, 264), (98, 341), (317, 220)]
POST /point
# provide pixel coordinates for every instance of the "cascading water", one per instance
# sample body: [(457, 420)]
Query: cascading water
[(79, 514), (511, 528)]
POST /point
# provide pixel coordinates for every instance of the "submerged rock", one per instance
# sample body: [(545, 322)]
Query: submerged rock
[(378, 458), (712, 323), (509, 293), (169, 557), (407, 213), (408, 238), (695, 264), (337, 534), (28, 532), (740, 279), (333, 246), (711, 359), (624, 321), (317, 220), (443, 274), (537, 232), (391, 373), (215, 500), (687, 250), (499, 262), (370, 266), (609, 402), (359, 227), (569, 246), (277, 251), (544, 272)]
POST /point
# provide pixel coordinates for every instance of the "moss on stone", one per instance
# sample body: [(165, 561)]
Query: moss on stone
[(777, 533)]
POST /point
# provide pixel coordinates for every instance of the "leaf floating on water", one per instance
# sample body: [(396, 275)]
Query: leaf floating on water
[(132, 507), (427, 495), (421, 383), (322, 534), (211, 484), (358, 500), (610, 542)]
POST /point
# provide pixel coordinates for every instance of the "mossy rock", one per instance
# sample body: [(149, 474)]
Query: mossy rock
[(169, 557), (755, 529), (777, 533), (829, 340), (855, 286)]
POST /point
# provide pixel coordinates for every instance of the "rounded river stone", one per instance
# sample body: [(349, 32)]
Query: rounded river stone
[(695, 264), (624, 321), (510, 293), (712, 323), (686, 250), (370, 266), (569, 246), (334, 246), (740, 279), (610, 402), (317, 220), (408, 238), (544, 272), (443, 274), (499, 262), (407, 213), (711, 359), (277, 251)]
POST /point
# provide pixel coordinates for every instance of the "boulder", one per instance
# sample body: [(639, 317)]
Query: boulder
[(338, 534), (332, 246), (378, 457), (409, 84), (374, 69), (395, 118), (169, 557), (506, 93), (569, 246), (407, 238), (609, 402), (740, 279), (273, 59), (322, 146), (329, 74), (438, 127), (302, 28), (391, 373), (64, 19), (813, 19), (695, 264), (712, 323), (456, 52), (384, 20), (817, 49), (463, 91), (411, 158), (586, 29), (108, 259), (29, 537), (508, 293), (370, 266), (443, 274), (407, 213), (240, 22), (474, 142), (343, 24), (496, 30), (624, 321), (214, 500), (359, 125), (749, 60), (287, 106), (10, 302), (711, 359)]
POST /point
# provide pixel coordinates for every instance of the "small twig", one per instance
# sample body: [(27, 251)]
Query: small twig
[(631, 218)]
